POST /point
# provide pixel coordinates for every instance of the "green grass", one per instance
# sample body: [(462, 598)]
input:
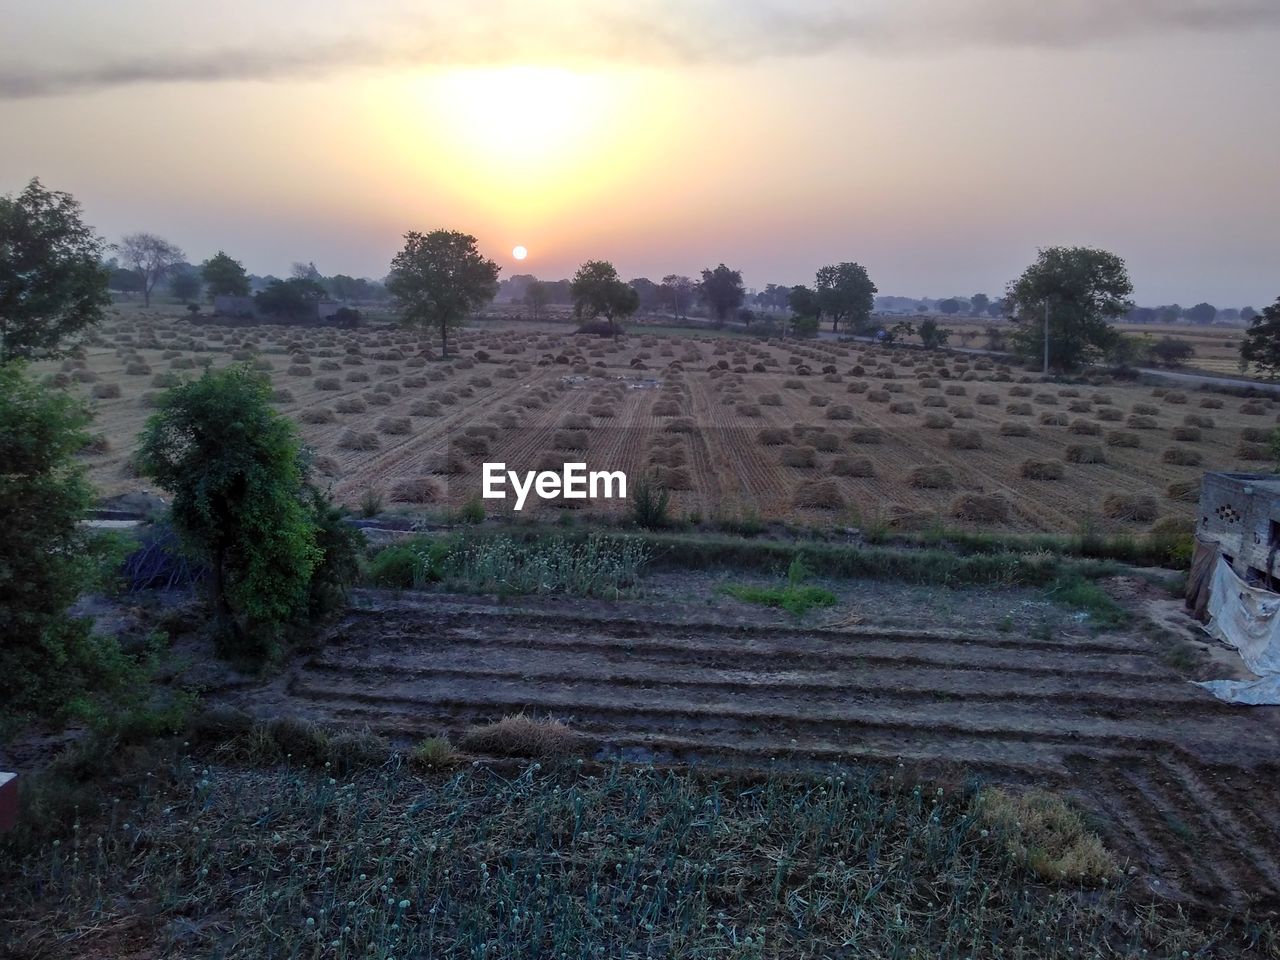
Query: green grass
[(208, 856), (795, 600), (1074, 591)]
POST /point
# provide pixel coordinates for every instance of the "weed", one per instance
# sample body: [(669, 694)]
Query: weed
[(650, 501), (435, 753), (1073, 590)]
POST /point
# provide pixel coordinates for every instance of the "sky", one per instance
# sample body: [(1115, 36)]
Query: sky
[(937, 142)]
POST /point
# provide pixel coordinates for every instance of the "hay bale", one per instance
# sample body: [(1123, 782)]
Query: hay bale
[(298, 370), (1253, 452), (902, 406), (839, 412), (931, 476), (395, 426), (770, 400), (1253, 408), (417, 490), (937, 421), (1086, 428), (826, 442), (1182, 457), (1173, 396), (772, 437), (424, 408), (1052, 419), (137, 369), (1123, 439), (965, 440), (357, 376), (1138, 422), (1119, 505), (802, 458), (472, 445), (1080, 406), (317, 415), (853, 467), (1210, 403), (818, 400), (105, 391), (819, 495), (980, 507), (1085, 453), (569, 440), (1018, 409), (1042, 469), (878, 396), (1015, 428), (866, 435), (326, 383), (1255, 435), (1109, 414), (1019, 391), (358, 440), (1183, 491), (351, 405), (1186, 434), (987, 399)]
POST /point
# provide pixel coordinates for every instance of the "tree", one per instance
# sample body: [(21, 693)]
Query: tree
[(241, 503), (804, 304), (46, 556), (1229, 314), (978, 304), (1085, 289), (932, 335), (599, 292), (154, 258), (680, 290), (288, 298), (845, 292), (52, 282), (1248, 314), (996, 308), (306, 271), (950, 306), (185, 285), (536, 297), (1141, 315), (651, 294), (721, 289), (774, 297), (224, 277), (439, 279), (1171, 313), (1171, 352), (1261, 343), (1203, 314)]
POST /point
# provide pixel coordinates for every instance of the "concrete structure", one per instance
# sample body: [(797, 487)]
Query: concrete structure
[(1240, 512)]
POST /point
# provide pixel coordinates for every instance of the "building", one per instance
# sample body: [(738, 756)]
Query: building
[(1240, 513)]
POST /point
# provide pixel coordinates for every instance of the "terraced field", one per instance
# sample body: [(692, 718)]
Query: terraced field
[(1181, 783)]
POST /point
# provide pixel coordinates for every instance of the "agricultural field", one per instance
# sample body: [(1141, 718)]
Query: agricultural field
[(816, 433)]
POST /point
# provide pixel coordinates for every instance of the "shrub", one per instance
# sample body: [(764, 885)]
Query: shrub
[(435, 753), (370, 503), (650, 503), (931, 477), (1042, 469)]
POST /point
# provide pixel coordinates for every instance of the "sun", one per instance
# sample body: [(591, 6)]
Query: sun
[(519, 252)]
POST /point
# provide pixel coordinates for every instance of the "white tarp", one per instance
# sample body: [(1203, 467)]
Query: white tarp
[(1248, 619)]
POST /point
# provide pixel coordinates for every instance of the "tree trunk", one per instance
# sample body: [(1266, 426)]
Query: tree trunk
[(223, 619)]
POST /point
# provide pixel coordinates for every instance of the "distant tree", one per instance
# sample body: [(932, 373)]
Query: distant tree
[(1202, 314), (1171, 313), (124, 281), (52, 281), (650, 293), (598, 291), (803, 302), (536, 297), (154, 258), (996, 308), (224, 277), (978, 304), (845, 293), (289, 299), (185, 285), (1261, 343), (1248, 314), (1171, 352), (923, 307), (722, 291), (1141, 315), (439, 279), (896, 333), (1085, 289), (1229, 314), (47, 558), (679, 290), (949, 306), (241, 503), (306, 271), (804, 326), (932, 335)]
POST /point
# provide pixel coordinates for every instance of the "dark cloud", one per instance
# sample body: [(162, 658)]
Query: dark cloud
[(658, 32)]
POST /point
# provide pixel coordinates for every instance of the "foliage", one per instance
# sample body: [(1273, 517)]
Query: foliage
[(1073, 590), (845, 293), (650, 502), (680, 290), (383, 862), (932, 335), (371, 503), (1171, 352), (236, 472), (185, 284), (594, 567), (46, 559), (472, 511), (796, 598), (1085, 290), (224, 277), (153, 258), (439, 279), (340, 546), (598, 291), (52, 283), (288, 298), (721, 289), (1260, 345), (536, 296), (949, 306)]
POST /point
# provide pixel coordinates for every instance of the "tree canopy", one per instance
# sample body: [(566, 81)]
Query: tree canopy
[(679, 289), (154, 258), (978, 304), (224, 277), (845, 293), (1261, 343), (52, 282), (598, 291), (439, 279), (721, 289), (1085, 290), (949, 306), (289, 298), (536, 297)]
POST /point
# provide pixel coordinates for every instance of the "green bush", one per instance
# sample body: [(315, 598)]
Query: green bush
[(650, 501)]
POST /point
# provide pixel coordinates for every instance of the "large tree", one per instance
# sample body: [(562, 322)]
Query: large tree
[(1083, 290), (598, 291), (52, 281), (154, 258), (950, 306), (846, 293), (185, 284), (803, 302), (1261, 343), (536, 297), (1202, 314), (224, 277), (290, 298), (721, 289), (439, 279), (978, 304), (679, 290)]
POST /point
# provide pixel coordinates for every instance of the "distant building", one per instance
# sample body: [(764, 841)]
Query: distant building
[(245, 308), (1240, 512)]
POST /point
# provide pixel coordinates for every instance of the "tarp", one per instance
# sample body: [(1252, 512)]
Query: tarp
[(1247, 618), (1204, 561)]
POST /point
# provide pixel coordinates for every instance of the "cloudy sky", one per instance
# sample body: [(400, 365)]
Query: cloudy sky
[(939, 142)]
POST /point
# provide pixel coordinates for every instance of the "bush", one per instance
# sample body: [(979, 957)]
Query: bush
[(650, 502)]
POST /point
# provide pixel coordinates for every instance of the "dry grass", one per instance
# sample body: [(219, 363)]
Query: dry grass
[(417, 490), (358, 440), (315, 415), (1253, 452), (1085, 453), (351, 405), (931, 476), (853, 467), (1118, 505), (803, 458), (1015, 428), (965, 440), (1123, 439), (819, 495), (105, 391), (980, 508), (937, 421), (1182, 457), (520, 735), (1038, 828), (395, 426)]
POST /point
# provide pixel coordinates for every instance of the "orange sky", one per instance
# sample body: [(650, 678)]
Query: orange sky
[(938, 143)]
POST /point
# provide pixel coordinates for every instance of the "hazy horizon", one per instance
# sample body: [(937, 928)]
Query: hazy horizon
[(938, 143)]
